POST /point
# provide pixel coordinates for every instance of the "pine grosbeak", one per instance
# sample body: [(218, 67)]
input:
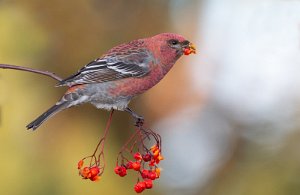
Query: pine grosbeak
[(112, 80)]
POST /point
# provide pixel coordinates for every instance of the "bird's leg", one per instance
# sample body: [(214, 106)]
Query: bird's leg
[(139, 120)]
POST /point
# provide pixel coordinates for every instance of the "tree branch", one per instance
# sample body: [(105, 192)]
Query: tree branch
[(46, 73)]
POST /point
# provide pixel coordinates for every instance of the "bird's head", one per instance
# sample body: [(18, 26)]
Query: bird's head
[(173, 45)]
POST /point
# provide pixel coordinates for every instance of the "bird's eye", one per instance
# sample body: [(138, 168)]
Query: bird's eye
[(174, 42)]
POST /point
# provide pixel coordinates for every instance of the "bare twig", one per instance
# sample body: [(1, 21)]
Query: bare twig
[(46, 73)]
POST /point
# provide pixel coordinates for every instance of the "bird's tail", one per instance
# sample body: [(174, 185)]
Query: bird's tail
[(46, 115)]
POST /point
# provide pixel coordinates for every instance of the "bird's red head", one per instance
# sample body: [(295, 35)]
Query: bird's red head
[(173, 44)]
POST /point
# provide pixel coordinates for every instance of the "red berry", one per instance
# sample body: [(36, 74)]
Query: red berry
[(155, 154), (117, 169), (94, 171), (152, 162), (129, 165), (136, 166), (137, 156), (152, 175), (95, 178), (137, 189), (144, 173), (186, 51), (80, 164), (85, 172), (147, 157), (121, 171), (140, 186), (149, 183)]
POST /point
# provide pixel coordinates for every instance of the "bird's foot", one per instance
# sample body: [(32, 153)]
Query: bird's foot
[(139, 120)]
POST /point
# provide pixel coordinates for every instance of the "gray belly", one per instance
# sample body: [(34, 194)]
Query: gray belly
[(108, 103), (101, 98)]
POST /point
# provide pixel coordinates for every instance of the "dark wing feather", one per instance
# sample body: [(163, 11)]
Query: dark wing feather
[(114, 66)]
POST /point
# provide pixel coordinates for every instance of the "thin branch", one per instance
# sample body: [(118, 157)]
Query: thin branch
[(46, 73), (102, 140)]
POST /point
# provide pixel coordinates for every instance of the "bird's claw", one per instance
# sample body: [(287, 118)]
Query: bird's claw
[(139, 121)]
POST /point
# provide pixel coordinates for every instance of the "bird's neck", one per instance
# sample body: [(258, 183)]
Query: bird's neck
[(165, 57), (168, 60)]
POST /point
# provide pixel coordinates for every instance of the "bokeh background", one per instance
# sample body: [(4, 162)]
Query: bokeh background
[(229, 116)]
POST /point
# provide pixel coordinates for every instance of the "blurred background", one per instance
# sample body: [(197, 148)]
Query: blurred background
[(228, 116)]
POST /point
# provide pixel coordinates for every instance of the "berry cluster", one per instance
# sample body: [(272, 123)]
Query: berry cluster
[(135, 155), (146, 165), (96, 160), (142, 185), (93, 172)]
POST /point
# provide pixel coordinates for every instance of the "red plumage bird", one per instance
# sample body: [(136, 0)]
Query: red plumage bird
[(111, 81)]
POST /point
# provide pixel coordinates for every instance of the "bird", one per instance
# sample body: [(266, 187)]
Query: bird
[(125, 71)]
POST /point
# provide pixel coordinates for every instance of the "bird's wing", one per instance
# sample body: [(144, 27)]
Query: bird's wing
[(113, 66)]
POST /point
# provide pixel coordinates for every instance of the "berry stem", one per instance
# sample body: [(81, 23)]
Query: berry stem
[(97, 159), (102, 140), (101, 143)]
